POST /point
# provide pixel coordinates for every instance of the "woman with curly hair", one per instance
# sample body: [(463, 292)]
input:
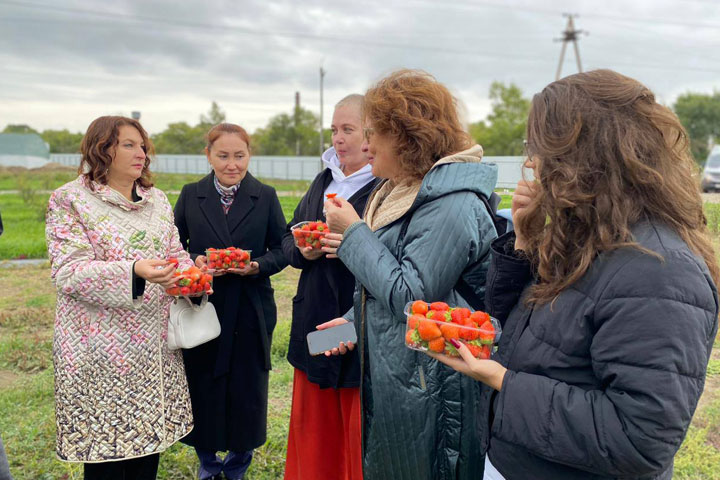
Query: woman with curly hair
[(606, 291), (424, 226)]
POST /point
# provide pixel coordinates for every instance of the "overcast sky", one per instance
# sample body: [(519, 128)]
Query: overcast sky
[(63, 63)]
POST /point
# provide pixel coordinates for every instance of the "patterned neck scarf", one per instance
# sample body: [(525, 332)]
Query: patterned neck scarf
[(227, 194)]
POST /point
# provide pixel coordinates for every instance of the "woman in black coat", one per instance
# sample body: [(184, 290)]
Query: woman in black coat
[(228, 376), (607, 291), (324, 436)]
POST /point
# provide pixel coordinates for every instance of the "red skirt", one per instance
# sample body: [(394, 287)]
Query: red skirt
[(324, 436)]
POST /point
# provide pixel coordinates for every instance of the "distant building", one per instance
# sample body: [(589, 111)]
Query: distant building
[(27, 150)]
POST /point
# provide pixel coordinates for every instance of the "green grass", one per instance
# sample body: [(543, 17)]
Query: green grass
[(24, 223), (27, 394)]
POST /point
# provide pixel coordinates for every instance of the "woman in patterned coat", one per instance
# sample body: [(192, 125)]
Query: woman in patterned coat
[(121, 396)]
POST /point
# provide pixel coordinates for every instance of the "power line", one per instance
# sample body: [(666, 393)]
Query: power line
[(359, 42)]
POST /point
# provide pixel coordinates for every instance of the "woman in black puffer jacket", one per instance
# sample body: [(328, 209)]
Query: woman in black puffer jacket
[(606, 291)]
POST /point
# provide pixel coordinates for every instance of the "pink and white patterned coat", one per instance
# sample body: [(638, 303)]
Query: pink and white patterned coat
[(119, 392)]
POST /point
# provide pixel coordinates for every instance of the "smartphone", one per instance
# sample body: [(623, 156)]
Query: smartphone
[(321, 341)]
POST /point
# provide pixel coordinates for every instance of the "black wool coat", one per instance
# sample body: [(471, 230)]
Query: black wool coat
[(603, 382), (325, 291), (228, 376)]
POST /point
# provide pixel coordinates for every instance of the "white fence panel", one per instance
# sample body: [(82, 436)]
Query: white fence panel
[(510, 169)]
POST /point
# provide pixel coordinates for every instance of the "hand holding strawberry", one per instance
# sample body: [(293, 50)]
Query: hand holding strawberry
[(340, 214)]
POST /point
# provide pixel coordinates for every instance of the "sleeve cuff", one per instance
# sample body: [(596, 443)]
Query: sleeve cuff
[(138, 284)]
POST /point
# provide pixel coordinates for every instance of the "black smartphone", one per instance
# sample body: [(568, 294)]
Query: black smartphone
[(321, 341)]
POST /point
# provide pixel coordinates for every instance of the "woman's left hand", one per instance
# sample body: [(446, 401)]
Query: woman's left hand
[(252, 268), (340, 214), (330, 244), (489, 372)]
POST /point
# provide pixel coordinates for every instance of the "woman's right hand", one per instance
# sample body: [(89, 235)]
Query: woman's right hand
[(156, 271), (342, 349), (524, 195)]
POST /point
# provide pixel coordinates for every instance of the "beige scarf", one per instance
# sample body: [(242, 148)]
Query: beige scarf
[(391, 201)]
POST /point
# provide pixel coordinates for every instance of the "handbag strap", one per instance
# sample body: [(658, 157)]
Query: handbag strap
[(203, 302)]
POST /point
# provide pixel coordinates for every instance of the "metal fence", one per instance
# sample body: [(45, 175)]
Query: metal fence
[(289, 168)]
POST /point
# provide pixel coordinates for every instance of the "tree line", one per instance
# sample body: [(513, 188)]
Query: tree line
[(501, 133)]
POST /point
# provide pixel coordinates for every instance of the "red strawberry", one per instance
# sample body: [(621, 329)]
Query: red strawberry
[(185, 291), (409, 337), (485, 352), (450, 330), (437, 345), (439, 306), (414, 321), (456, 316), (419, 307), (474, 349), (429, 330), (464, 312), (487, 333), (439, 316), (479, 317)]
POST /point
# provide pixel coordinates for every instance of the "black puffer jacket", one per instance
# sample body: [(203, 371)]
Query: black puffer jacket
[(602, 383)]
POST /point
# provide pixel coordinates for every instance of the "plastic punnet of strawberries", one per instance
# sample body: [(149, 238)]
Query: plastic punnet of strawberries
[(431, 326), (192, 282), (219, 259), (308, 234)]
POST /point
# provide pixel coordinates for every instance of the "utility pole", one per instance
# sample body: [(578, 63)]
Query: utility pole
[(297, 123), (322, 138), (569, 35)]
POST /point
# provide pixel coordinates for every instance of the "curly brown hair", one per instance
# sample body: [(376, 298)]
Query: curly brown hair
[(420, 115), (608, 156), (100, 138)]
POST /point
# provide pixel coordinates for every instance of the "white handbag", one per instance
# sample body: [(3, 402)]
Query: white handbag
[(191, 325)]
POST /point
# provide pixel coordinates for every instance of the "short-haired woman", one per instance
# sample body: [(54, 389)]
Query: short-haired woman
[(324, 433), (121, 396)]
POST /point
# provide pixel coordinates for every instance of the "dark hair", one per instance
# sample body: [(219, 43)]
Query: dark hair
[(607, 156), (222, 128), (420, 115), (100, 138)]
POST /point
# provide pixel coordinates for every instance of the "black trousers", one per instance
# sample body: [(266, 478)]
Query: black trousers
[(142, 468)]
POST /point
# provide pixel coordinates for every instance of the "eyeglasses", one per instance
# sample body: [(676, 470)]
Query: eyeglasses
[(368, 132)]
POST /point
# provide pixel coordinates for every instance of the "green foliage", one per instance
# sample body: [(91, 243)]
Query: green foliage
[(19, 128), (700, 115), (288, 134), (503, 131), (62, 141), (181, 138)]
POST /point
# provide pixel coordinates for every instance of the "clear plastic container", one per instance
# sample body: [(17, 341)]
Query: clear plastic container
[(221, 259), (191, 283), (308, 234), (430, 329)]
